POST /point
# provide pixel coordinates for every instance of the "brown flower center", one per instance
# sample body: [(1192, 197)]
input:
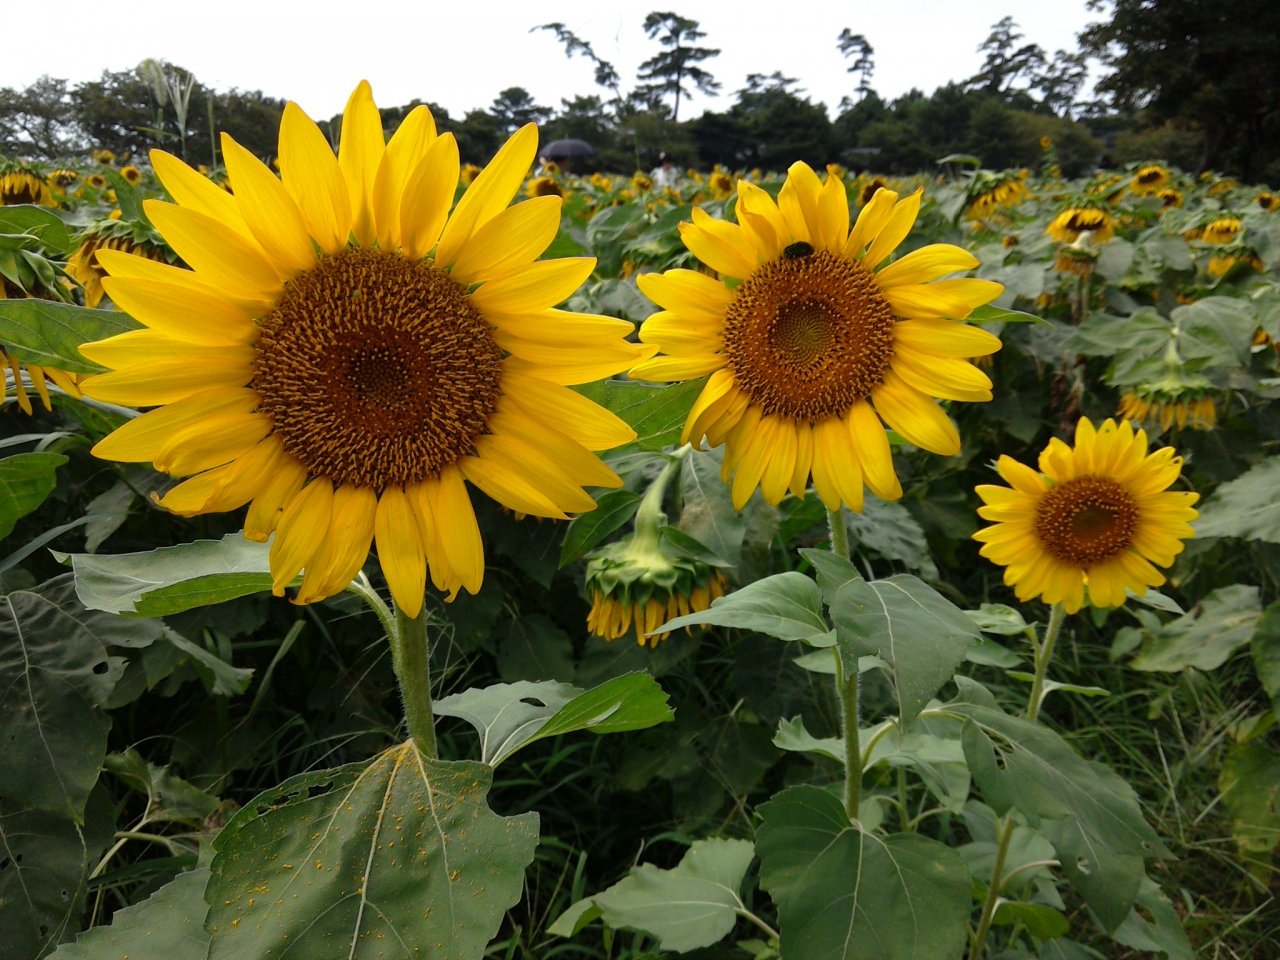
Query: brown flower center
[(808, 335), (377, 370), (1087, 520)]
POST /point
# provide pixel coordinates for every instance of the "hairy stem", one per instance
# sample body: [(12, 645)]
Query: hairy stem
[(1044, 653), (413, 671), (848, 690), (839, 533), (1005, 834)]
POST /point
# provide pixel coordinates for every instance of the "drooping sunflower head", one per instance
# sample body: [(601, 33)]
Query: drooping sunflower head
[(1221, 230), (1068, 225), (349, 346), (62, 178), (1267, 200), (1075, 260), (1149, 180), (19, 185), (110, 234), (1098, 515), (819, 341), (869, 190), (544, 187), (1169, 197), (990, 194), (132, 174), (1196, 410)]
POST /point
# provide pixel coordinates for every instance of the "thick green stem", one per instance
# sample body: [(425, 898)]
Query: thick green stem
[(848, 690), (839, 533), (1044, 654), (409, 656), (1005, 834)]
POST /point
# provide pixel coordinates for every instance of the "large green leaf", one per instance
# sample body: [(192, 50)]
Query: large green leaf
[(692, 905), (655, 413), (401, 857), (832, 571), (168, 925), (45, 862), (890, 530), (25, 481), (169, 797), (509, 716), (706, 511), (1162, 932), (613, 509), (54, 677), (1265, 648), (39, 222), (1091, 815), (1204, 638), (168, 580), (1246, 507), (845, 893), (787, 606), (1250, 785), (49, 334), (919, 633)]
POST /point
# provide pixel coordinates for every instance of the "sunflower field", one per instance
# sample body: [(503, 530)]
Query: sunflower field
[(411, 559)]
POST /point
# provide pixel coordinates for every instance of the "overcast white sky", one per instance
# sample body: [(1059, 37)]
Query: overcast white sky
[(460, 53)]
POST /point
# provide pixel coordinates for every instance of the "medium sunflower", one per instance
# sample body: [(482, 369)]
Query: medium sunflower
[(869, 189), (544, 187), (1073, 221), (1099, 514), (1221, 230), (132, 174), (346, 351), (820, 341), (1169, 197), (1267, 200), (1149, 180), (19, 186)]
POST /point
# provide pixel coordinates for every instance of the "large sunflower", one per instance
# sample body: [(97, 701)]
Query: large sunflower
[(1099, 514), (345, 352), (820, 341)]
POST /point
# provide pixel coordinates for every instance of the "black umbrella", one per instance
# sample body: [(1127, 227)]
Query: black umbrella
[(567, 149)]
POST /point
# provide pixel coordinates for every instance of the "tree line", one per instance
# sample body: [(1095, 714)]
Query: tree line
[(1193, 82)]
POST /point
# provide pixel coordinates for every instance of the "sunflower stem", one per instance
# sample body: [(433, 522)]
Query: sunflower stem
[(847, 686), (979, 946), (411, 659), (649, 516), (1044, 653)]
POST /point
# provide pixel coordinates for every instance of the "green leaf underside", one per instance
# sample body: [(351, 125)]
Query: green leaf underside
[(844, 893), (509, 716), (787, 606), (921, 635), (168, 925), (692, 905), (49, 334), (1219, 625), (54, 675), (398, 858), (1246, 507), (169, 580), (25, 481)]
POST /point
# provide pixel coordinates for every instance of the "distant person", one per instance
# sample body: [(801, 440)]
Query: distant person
[(665, 173)]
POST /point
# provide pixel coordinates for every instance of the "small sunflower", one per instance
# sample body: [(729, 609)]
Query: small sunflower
[(641, 183), (1169, 197), (1074, 221), (721, 184), (105, 157), (96, 180), (24, 186), (347, 351), (132, 174), (1267, 201), (992, 196), (1221, 230), (544, 187), (1149, 180), (467, 174), (1045, 142), (1098, 514), (870, 189), (837, 171), (820, 341)]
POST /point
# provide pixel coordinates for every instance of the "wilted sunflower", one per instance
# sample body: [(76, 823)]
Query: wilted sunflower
[(1099, 514), (1170, 197), (1198, 412), (68, 382), (544, 187), (345, 351), (18, 185), (1072, 222), (992, 194), (132, 174), (1221, 230), (1267, 200), (1149, 180), (820, 341), (84, 265), (869, 190)]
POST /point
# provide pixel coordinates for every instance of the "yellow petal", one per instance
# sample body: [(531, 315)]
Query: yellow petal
[(534, 287), (942, 376), (193, 190), (428, 194), (554, 351), (359, 155), (574, 370), (406, 149), (721, 246), (781, 464), (281, 486), (571, 413), (507, 487), (757, 449), (833, 445), (514, 238), (945, 338), (760, 218), (229, 487), (870, 222), (182, 313), (833, 216), (915, 416), (139, 440), (267, 208), (216, 440), (671, 369), (400, 551), (804, 459), (895, 229), (134, 267), (142, 346), (944, 298), (158, 382), (676, 334), (536, 466), (579, 464), (718, 385), (799, 200), (301, 532), (874, 454), (456, 527), (1021, 477), (311, 174), (490, 192), (222, 257), (346, 547), (926, 264), (688, 293)]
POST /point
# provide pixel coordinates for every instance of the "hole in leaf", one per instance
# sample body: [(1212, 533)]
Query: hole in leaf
[(1084, 865), (44, 930), (1144, 913), (532, 701), (317, 790), (65, 898), (101, 668), (4, 864)]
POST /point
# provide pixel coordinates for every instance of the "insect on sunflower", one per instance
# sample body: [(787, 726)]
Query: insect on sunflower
[(821, 341), (346, 351)]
